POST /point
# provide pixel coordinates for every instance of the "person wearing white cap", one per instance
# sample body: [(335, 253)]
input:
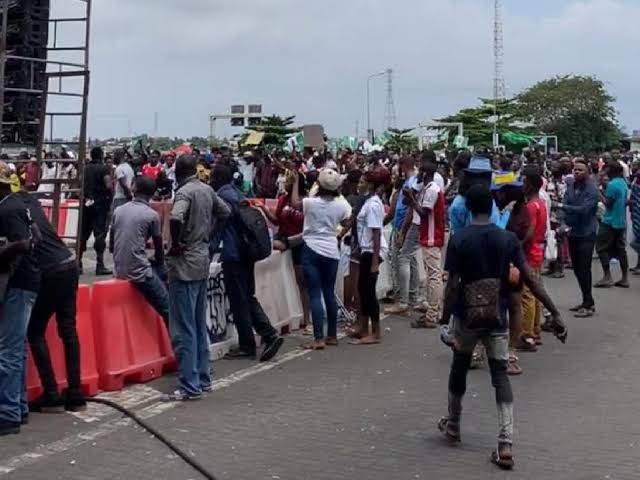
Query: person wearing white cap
[(323, 213)]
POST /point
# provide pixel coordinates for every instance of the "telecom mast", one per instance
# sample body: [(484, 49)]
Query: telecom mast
[(499, 88), (390, 108)]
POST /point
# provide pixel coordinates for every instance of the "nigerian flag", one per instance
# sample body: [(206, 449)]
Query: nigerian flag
[(294, 142)]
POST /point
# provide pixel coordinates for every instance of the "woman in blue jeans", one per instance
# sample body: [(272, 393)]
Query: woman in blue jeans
[(323, 213)]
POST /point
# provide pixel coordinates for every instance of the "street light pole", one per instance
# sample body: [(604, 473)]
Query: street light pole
[(379, 74)]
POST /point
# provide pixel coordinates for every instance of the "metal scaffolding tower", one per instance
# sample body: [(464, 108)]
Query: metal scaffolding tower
[(499, 87), (390, 108), (65, 91)]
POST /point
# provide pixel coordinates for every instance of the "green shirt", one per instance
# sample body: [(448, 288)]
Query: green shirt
[(616, 215)]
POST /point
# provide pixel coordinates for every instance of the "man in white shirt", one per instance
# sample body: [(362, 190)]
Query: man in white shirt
[(124, 179)]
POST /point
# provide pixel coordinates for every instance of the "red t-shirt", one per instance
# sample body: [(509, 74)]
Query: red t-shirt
[(149, 170), (290, 220), (534, 249), (432, 226)]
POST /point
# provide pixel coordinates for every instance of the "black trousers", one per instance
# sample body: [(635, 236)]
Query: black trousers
[(367, 281), (94, 220), (57, 295), (248, 315), (581, 252)]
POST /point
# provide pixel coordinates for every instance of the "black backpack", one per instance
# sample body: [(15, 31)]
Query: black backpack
[(253, 231)]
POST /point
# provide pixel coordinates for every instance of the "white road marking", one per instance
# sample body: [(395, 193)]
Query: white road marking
[(139, 395)]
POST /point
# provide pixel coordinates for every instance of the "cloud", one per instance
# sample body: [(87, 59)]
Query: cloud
[(187, 58)]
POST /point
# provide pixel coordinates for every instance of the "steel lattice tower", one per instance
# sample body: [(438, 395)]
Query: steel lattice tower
[(390, 108), (499, 88)]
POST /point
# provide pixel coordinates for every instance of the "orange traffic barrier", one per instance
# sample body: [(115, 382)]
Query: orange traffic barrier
[(88, 372), (130, 337)]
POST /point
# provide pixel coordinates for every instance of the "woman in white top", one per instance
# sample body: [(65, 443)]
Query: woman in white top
[(373, 246), (320, 255)]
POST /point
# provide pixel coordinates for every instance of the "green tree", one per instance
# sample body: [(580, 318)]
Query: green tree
[(401, 140), (276, 130), (479, 121), (578, 109)]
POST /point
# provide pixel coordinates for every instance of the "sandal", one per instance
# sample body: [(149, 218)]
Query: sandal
[(505, 461), (477, 361), (622, 284), (313, 346), (603, 284), (331, 341), (308, 331), (450, 430), (513, 367)]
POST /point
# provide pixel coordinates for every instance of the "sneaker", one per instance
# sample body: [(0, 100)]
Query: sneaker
[(207, 388), (399, 309), (74, 401), (9, 428), (238, 354), (180, 396), (47, 403), (271, 348)]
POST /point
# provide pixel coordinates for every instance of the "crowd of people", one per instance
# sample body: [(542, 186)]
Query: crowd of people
[(488, 225)]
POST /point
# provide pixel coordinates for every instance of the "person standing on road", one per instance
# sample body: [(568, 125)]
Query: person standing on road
[(479, 260), (133, 225), (404, 248), (20, 281), (196, 211), (239, 278), (124, 176), (580, 206), (153, 168), (56, 295), (429, 212), (373, 247), (95, 211), (534, 253), (611, 239), (323, 213)]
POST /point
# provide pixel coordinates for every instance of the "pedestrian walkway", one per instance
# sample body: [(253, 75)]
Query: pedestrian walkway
[(370, 413)]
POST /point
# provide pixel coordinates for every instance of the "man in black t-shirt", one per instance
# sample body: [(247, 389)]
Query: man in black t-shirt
[(17, 298), (56, 295), (95, 212), (479, 252)]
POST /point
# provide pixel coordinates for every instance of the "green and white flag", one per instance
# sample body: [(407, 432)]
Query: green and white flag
[(461, 142)]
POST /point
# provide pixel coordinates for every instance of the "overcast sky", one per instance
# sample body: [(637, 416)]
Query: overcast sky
[(187, 58)]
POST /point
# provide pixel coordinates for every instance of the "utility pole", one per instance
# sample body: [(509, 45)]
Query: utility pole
[(155, 124), (499, 88), (390, 108)]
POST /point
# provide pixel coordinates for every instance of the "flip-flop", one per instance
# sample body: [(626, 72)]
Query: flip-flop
[(311, 346), (603, 285), (622, 285)]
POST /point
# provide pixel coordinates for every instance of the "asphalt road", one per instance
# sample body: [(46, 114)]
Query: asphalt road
[(370, 413)]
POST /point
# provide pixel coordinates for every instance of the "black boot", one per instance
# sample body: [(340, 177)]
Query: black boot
[(47, 403), (101, 270), (74, 401)]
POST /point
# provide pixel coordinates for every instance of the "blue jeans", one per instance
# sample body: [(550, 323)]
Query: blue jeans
[(188, 327), (14, 320), (320, 278), (155, 293)]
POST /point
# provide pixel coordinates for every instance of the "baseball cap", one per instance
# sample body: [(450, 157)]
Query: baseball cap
[(329, 179)]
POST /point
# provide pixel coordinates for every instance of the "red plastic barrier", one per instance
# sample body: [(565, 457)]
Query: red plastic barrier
[(88, 372), (130, 337)]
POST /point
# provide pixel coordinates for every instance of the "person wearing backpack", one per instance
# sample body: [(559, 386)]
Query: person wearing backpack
[(245, 240), (479, 262)]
